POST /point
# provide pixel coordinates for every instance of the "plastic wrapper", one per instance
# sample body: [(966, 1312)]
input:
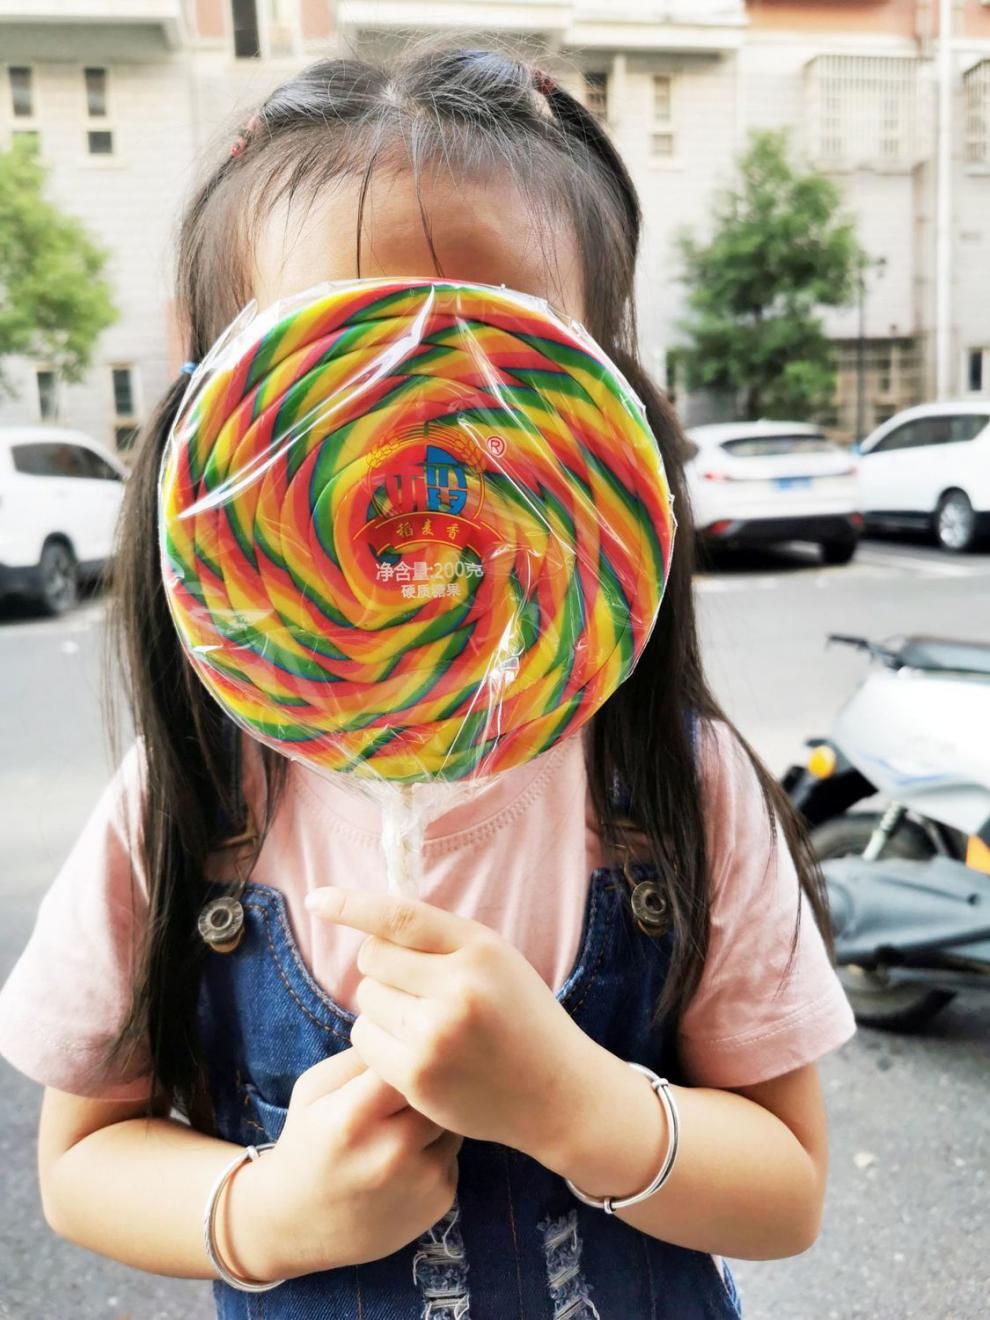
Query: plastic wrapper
[(412, 533)]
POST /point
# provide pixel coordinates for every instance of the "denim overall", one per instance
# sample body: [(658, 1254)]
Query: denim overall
[(516, 1245)]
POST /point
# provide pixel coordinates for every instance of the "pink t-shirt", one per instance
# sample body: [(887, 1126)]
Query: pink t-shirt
[(517, 857)]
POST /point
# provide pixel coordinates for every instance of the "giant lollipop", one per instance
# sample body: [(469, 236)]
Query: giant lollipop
[(412, 532)]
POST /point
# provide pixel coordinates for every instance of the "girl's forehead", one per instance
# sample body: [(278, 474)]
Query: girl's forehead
[(483, 232)]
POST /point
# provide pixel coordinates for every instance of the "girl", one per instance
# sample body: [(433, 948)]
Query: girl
[(438, 1077)]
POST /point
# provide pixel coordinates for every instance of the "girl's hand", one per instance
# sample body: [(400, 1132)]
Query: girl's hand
[(459, 1022), (355, 1175)]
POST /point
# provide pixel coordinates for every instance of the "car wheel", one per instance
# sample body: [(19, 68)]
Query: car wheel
[(955, 522), (839, 552), (875, 1000), (58, 576)]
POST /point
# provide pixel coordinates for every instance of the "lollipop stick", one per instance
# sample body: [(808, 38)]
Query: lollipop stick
[(402, 842)]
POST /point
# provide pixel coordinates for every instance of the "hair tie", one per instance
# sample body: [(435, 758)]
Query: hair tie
[(188, 368), (543, 83), (241, 141)]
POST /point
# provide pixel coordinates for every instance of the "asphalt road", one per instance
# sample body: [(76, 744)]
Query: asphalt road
[(907, 1227)]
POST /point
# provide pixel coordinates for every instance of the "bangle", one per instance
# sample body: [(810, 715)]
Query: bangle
[(610, 1204), (209, 1225)]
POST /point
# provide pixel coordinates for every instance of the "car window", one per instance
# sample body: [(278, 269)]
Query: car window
[(54, 459), (944, 429), (933, 431), (770, 446), (47, 460), (967, 426), (95, 466), (902, 437)]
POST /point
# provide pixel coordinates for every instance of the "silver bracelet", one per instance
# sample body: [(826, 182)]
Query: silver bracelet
[(609, 1204), (209, 1224)]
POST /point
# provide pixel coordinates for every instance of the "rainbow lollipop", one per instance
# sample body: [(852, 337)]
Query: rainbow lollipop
[(413, 530)]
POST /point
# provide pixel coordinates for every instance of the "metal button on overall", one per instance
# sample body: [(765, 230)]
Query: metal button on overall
[(221, 924), (649, 907)]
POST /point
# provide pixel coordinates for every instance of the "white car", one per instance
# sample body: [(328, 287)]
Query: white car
[(928, 468), (757, 483), (60, 495)]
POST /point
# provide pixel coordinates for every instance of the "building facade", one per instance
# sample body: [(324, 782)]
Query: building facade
[(126, 101)]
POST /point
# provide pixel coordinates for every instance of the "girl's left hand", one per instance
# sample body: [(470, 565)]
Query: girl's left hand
[(455, 1018)]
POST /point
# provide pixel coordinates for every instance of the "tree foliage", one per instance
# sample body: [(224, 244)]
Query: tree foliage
[(781, 248), (54, 301)]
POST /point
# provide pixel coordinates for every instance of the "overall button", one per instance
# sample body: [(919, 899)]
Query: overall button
[(221, 924), (649, 907)]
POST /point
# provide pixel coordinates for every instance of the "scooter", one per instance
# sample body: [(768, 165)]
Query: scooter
[(898, 803)]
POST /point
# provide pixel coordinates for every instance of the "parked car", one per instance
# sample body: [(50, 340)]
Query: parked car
[(60, 494), (928, 469), (757, 483)]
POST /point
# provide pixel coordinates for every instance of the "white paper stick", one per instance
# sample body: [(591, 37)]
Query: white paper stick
[(403, 827)]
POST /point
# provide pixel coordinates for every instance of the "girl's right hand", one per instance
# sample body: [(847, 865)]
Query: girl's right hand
[(355, 1175)]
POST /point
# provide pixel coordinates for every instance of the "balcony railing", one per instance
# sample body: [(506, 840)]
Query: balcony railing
[(866, 112), (598, 24), (162, 17), (976, 95)]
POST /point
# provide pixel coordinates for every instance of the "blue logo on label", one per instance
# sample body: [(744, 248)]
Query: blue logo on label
[(446, 482)]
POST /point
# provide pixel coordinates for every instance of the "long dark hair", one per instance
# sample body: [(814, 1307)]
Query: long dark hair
[(473, 112)]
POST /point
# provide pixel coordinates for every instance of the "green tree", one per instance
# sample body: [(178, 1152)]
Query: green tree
[(54, 302), (781, 247)]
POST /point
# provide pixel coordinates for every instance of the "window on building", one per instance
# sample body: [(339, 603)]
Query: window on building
[(892, 379), (21, 91), (978, 370), (47, 393), (663, 141), (244, 14), (96, 92), (596, 94), (864, 110), (280, 34), (126, 423), (976, 95), (125, 436), (99, 134), (123, 392)]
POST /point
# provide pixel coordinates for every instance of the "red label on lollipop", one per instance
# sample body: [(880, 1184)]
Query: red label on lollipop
[(424, 491)]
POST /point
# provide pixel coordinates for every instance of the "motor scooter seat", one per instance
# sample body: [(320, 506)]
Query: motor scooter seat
[(943, 654)]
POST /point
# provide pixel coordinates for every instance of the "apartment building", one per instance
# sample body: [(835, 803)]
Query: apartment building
[(125, 100), (860, 83)]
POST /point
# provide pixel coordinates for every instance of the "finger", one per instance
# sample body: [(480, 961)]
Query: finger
[(406, 921), (328, 1075), (392, 1010), (447, 1146), (414, 1129), (418, 973), (368, 1096), (390, 1058)]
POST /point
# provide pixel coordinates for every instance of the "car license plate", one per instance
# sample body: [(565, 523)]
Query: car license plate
[(793, 483)]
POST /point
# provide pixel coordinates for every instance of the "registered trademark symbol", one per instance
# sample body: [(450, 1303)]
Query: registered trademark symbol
[(496, 446)]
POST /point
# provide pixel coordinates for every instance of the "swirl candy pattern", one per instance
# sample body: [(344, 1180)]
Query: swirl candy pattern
[(413, 530)]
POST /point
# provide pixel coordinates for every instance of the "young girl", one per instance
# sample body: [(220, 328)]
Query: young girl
[(218, 965)]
